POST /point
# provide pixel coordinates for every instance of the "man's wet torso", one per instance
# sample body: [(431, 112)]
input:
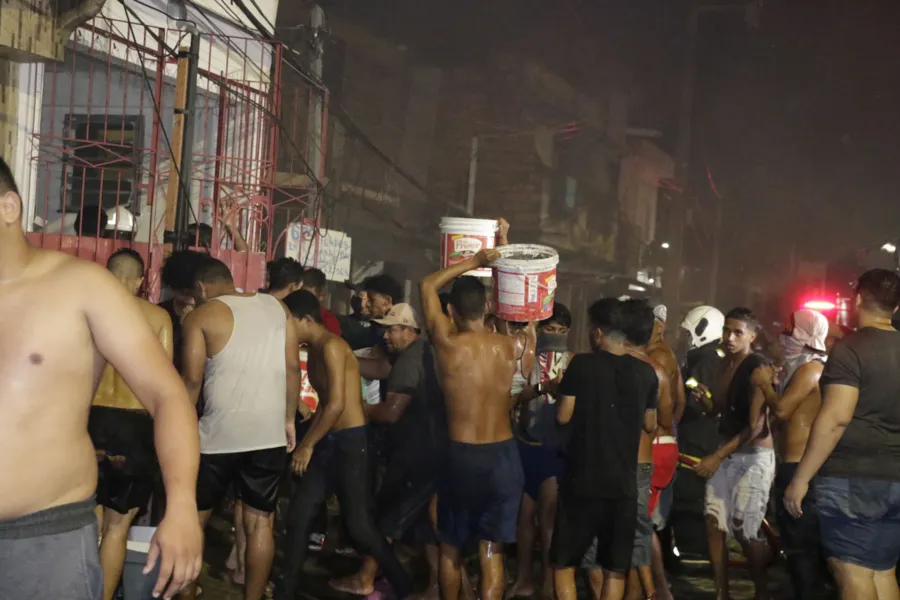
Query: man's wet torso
[(49, 370), (476, 372)]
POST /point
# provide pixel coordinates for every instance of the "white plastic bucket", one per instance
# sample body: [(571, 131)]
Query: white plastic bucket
[(461, 239), (525, 282)]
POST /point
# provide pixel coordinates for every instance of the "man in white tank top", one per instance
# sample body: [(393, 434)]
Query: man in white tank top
[(238, 347)]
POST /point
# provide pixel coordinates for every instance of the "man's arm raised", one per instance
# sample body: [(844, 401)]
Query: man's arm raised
[(124, 337), (436, 322)]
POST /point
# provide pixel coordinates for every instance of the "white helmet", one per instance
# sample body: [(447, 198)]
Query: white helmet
[(705, 324), (120, 219)]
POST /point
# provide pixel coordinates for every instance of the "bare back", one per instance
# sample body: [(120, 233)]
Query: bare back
[(792, 436), (476, 371), (645, 450), (112, 391), (665, 359), (353, 414)]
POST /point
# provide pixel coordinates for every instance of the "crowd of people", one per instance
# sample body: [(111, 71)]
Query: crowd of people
[(450, 430)]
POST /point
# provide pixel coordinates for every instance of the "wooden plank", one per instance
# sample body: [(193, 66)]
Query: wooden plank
[(181, 88)]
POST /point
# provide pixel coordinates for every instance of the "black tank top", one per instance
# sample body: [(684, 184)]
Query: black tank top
[(736, 414)]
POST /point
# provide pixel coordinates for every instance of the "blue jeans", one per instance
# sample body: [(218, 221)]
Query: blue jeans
[(860, 520)]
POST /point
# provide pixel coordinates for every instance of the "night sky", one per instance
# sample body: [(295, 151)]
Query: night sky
[(798, 119)]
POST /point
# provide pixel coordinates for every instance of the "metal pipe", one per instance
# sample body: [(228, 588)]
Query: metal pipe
[(183, 207), (473, 170)]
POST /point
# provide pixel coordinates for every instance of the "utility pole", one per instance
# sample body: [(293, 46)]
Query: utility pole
[(672, 276), (315, 128), (178, 194)]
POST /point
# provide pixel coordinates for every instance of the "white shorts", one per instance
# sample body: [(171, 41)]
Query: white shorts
[(737, 495)]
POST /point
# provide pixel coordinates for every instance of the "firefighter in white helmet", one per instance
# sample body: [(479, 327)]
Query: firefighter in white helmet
[(697, 432)]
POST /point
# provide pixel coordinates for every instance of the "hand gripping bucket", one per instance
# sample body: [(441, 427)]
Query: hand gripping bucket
[(461, 239), (525, 282)]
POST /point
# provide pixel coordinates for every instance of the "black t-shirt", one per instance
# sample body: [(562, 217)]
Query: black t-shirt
[(421, 431), (736, 413), (611, 394), (868, 360), (698, 433)]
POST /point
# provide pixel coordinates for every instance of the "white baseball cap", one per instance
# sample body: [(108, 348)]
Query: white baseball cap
[(401, 314)]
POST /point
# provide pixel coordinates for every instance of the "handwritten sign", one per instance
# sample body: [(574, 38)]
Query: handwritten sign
[(323, 249)]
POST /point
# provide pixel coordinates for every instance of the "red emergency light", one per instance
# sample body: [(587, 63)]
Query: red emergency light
[(821, 305)]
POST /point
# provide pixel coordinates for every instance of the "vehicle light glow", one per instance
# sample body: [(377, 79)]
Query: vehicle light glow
[(820, 305)]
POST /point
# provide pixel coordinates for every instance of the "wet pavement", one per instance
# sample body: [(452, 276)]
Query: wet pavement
[(693, 584)]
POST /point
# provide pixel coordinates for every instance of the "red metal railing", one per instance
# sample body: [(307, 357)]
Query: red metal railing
[(103, 139)]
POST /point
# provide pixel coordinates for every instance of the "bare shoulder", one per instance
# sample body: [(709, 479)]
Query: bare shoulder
[(76, 270), (336, 346), (205, 314), (155, 315), (664, 356)]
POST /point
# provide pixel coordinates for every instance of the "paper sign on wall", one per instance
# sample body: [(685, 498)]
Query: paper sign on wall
[(323, 249)]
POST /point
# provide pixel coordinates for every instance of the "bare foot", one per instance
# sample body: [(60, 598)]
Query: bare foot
[(353, 584), (237, 578), (467, 589), (521, 589), (232, 563)]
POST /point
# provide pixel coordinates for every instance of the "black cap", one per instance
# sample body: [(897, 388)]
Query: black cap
[(385, 285)]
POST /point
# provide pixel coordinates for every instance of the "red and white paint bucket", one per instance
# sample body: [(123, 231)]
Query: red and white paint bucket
[(461, 239), (525, 282)]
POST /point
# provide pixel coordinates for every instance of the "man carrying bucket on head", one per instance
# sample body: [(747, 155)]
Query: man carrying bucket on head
[(480, 487)]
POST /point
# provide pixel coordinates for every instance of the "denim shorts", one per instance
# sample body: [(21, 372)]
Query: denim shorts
[(859, 521)]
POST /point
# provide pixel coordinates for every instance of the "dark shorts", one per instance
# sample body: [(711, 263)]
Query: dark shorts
[(51, 554), (126, 457), (401, 505), (539, 463), (859, 520), (642, 552), (255, 475), (580, 521), (479, 493)]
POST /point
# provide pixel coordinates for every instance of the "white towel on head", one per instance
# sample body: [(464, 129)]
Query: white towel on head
[(805, 343), (810, 329)]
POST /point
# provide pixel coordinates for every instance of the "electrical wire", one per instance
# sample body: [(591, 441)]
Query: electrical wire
[(173, 161)]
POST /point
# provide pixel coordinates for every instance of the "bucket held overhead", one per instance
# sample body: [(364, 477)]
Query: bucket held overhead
[(461, 239), (525, 282)]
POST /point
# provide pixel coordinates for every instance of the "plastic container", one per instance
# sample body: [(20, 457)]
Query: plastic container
[(461, 239), (525, 282), (136, 585)]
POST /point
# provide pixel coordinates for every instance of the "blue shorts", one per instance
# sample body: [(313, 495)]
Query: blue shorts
[(859, 521), (479, 493), (539, 463)]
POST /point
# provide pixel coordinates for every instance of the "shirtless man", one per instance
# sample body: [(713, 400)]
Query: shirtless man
[(665, 447), (639, 322), (796, 403), (239, 349), (122, 433), (480, 490), (62, 319), (333, 456), (741, 471)]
